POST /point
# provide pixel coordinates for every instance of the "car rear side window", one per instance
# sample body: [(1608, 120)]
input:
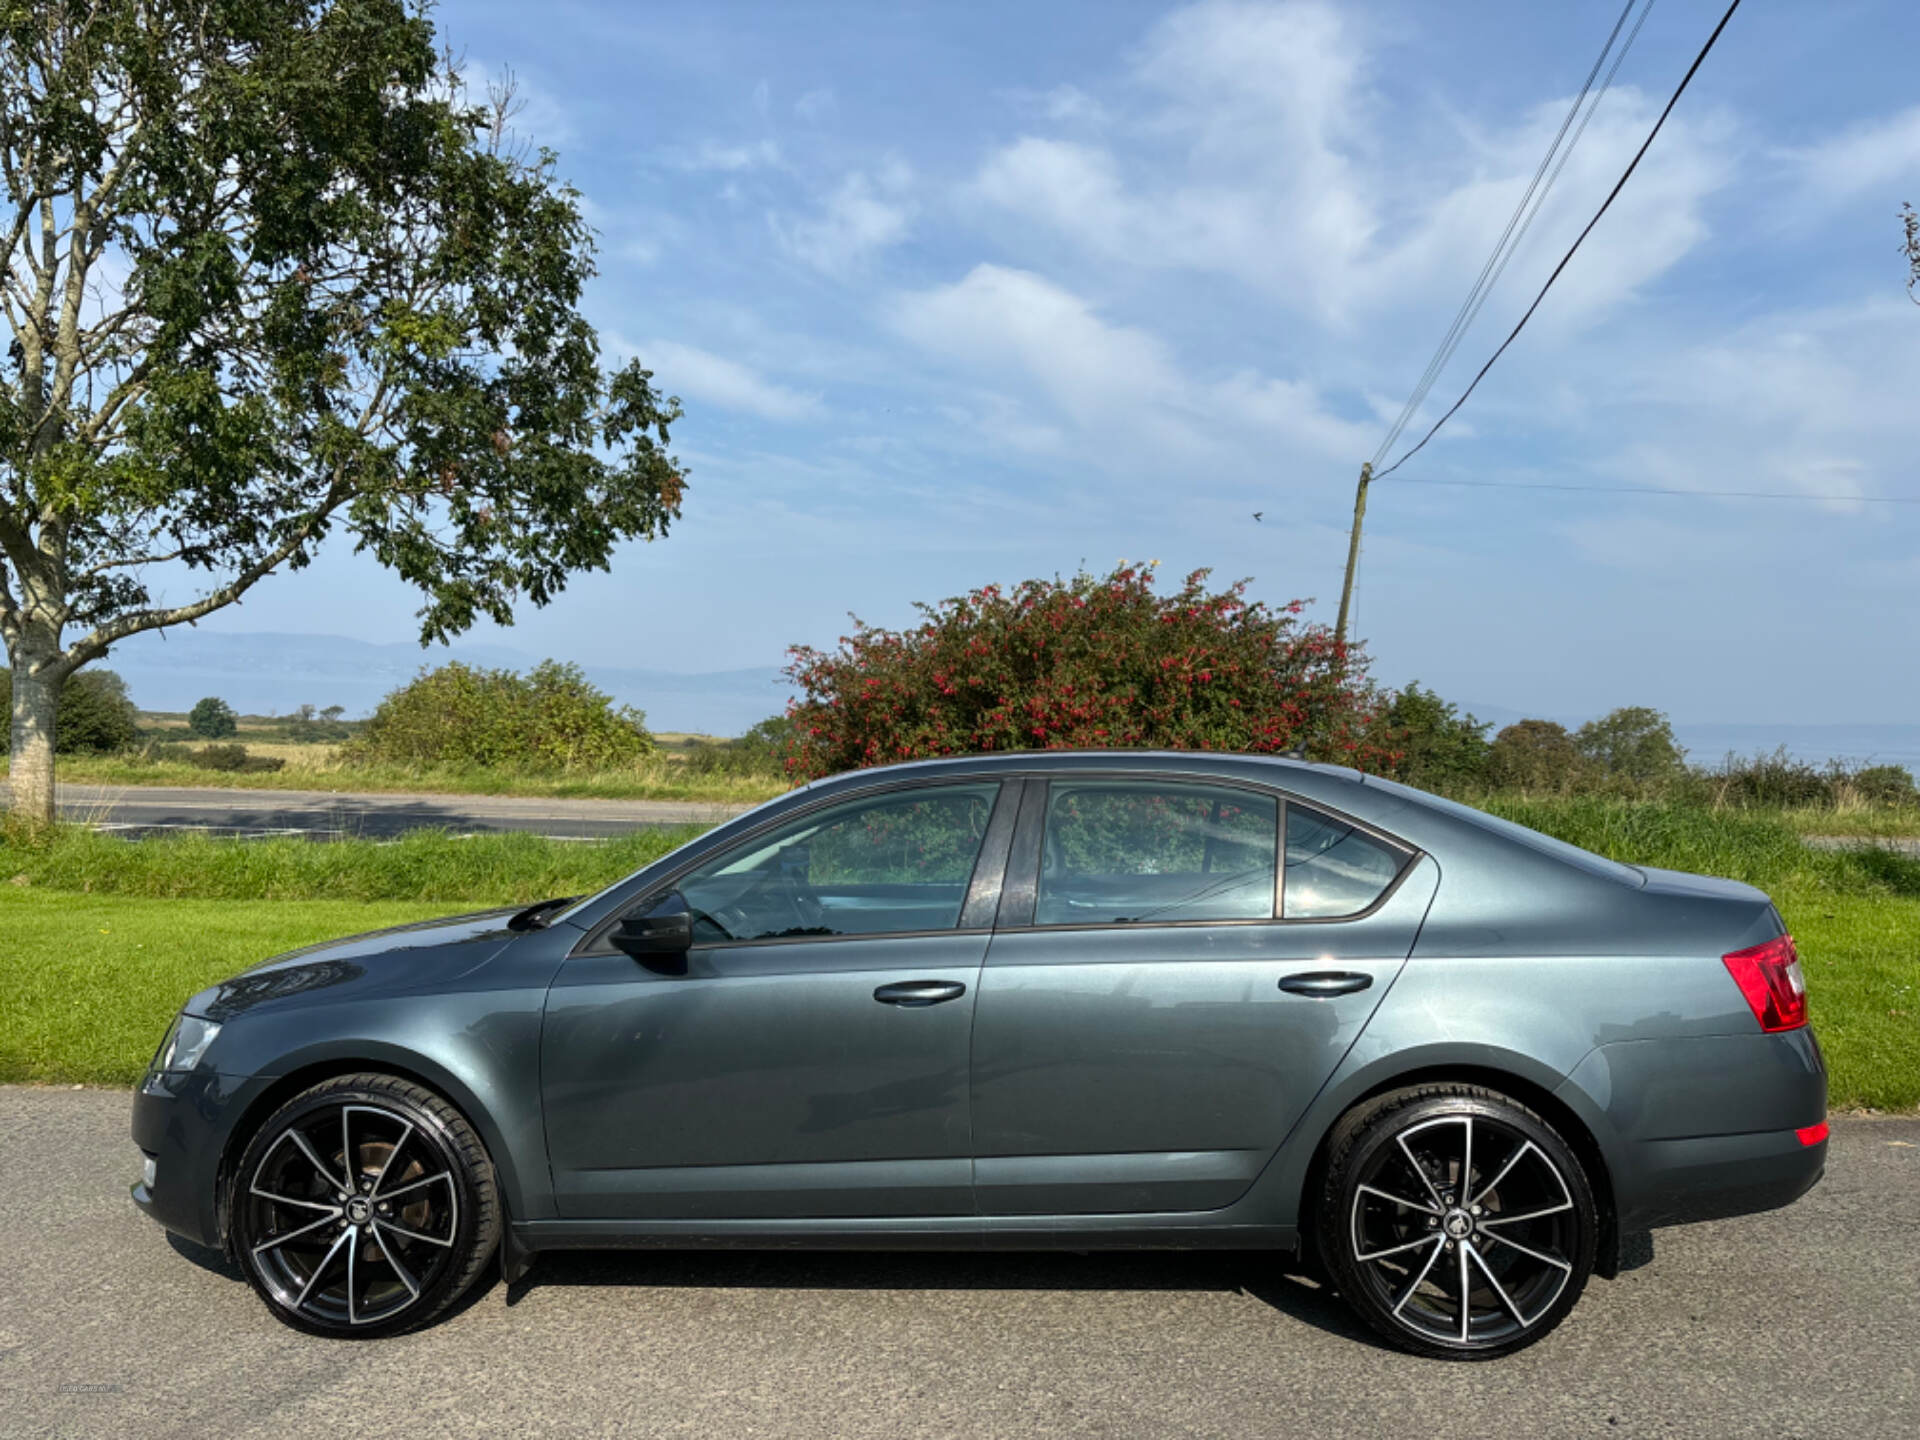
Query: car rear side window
[(1334, 868), (883, 864), (1130, 853)]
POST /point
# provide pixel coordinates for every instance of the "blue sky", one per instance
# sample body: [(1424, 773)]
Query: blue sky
[(959, 293)]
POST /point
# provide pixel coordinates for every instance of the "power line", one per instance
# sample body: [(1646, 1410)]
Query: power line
[(1692, 494), (1534, 214), (1605, 205), (1489, 275)]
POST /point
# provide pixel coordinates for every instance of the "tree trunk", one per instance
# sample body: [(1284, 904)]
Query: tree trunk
[(36, 698)]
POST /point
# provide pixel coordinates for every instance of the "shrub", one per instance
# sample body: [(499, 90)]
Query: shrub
[(304, 727), (212, 719), (95, 713), (1633, 744), (231, 759), (1098, 661), (762, 751), (1884, 785), (1537, 755), (1440, 749), (549, 719)]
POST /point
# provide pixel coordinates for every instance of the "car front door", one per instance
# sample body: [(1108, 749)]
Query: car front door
[(1162, 999), (811, 1061)]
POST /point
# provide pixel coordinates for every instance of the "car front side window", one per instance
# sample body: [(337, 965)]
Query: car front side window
[(893, 863)]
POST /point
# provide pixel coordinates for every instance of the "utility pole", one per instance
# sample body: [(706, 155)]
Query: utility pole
[(1353, 552)]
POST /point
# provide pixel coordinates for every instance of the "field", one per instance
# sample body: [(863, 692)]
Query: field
[(665, 775), (105, 937)]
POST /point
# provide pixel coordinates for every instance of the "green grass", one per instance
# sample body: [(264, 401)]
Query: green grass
[(89, 982), (107, 936), (424, 865)]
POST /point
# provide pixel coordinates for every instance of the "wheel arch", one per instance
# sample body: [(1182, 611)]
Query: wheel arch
[(312, 1070), (1538, 1093)]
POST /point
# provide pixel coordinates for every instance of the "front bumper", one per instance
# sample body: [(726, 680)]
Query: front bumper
[(181, 1125)]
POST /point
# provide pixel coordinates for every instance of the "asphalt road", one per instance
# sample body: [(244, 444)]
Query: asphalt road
[(1801, 1323), (323, 814)]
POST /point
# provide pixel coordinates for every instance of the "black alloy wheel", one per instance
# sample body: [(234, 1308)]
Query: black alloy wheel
[(1456, 1221), (363, 1207)]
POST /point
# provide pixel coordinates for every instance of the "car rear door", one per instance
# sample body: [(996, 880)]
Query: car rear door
[(1153, 1014), (810, 1060)]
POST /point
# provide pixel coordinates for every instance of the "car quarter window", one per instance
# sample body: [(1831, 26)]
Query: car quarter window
[(880, 864), (1333, 868), (1142, 852)]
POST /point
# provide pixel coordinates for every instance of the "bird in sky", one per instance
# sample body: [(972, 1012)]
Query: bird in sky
[(1257, 514)]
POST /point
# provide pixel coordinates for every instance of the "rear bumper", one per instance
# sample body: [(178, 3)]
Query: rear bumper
[(1705, 1127)]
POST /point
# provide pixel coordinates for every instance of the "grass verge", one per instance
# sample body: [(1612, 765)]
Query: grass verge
[(423, 865), (318, 767), (89, 982)]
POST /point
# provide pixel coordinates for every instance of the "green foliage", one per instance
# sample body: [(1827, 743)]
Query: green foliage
[(1633, 743), (227, 759), (761, 752), (1098, 661), (1534, 755), (96, 714), (1440, 749), (212, 719), (549, 720), (305, 727), (339, 295)]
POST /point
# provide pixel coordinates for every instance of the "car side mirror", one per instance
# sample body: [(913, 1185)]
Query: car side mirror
[(658, 937)]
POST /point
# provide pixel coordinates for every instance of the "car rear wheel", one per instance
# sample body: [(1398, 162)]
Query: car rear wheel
[(363, 1207), (1455, 1220)]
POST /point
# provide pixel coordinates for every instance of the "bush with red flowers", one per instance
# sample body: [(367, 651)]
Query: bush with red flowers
[(1095, 662)]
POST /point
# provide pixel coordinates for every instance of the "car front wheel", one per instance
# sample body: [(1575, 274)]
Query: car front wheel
[(1455, 1220), (363, 1207)]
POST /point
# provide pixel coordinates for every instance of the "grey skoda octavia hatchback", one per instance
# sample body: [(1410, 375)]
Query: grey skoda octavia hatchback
[(1018, 1002)]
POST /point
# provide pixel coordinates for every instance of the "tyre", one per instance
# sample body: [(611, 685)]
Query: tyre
[(365, 1206), (1455, 1220)]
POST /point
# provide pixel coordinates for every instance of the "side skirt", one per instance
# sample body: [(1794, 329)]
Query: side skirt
[(959, 1232)]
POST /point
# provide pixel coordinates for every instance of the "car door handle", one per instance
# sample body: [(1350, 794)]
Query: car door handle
[(1325, 983), (915, 993)]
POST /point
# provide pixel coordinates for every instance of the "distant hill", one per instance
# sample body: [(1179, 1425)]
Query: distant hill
[(272, 674)]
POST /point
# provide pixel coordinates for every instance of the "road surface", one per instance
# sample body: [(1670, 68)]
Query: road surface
[(1798, 1323), (322, 814)]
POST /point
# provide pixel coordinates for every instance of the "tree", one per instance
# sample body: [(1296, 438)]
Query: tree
[(1439, 747), (1534, 755), (212, 719), (1098, 661), (270, 270), (1910, 247), (99, 714), (1632, 743)]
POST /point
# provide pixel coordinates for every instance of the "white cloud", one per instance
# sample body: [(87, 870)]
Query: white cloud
[(1254, 147), (724, 157), (815, 106), (1123, 397), (860, 218), (1815, 402), (1867, 157), (701, 375)]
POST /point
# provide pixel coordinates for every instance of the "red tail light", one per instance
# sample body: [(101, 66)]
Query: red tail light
[(1812, 1134), (1769, 976)]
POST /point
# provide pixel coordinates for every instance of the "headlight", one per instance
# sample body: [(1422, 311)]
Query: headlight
[(186, 1042)]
